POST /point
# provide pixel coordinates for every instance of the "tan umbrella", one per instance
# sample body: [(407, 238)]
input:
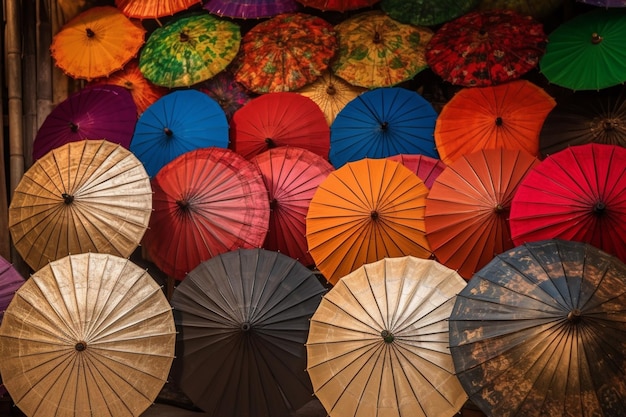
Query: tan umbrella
[(85, 196), (87, 335), (378, 342), (331, 94)]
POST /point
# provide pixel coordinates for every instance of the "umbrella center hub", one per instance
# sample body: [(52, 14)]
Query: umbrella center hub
[(270, 143), (377, 38), (67, 198), (574, 316), (73, 127), (374, 215), (245, 327), (609, 125), (168, 132), (80, 346), (273, 204), (387, 336), (596, 38), (90, 33), (331, 90), (384, 126), (183, 37), (599, 208), (499, 121), (499, 209)]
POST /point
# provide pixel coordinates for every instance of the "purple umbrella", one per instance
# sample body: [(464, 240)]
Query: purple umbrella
[(228, 93), (251, 9), (10, 282), (95, 112), (605, 3)]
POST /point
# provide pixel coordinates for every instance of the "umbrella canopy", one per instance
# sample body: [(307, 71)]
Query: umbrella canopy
[(279, 119), (468, 206), (87, 196), (508, 116), (154, 9), (365, 211), (243, 318), (189, 49), (585, 53), (383, 122), (338, 5), (142, 91), (378, 342), (251, 9), (584, 117), (291, 176), (331, 94), (486, 47), (604, 3), (285, 53), (95, 112), (425, 167), (206, 202), (426, 12), (96, 43), (178, 122), (575, 194), (88, 334), (228, 93), (10, 282), (378, 51), (539, 331), (539, 9)]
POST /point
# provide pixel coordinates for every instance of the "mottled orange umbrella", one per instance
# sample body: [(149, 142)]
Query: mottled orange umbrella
[(363, 212), (153, 9), (96, 43)]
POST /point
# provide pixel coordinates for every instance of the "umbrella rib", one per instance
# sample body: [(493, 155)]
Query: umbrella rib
[(397, 351)]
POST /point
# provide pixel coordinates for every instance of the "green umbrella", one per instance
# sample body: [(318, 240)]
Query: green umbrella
[(189, 50), (587, 52), (426, 12)]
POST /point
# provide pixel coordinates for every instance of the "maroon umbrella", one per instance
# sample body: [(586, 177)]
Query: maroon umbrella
[(10, 282), (95, 112)]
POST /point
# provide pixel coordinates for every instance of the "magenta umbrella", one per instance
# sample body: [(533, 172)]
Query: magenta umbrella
[(10, 282), (251, 9), (95, 112)]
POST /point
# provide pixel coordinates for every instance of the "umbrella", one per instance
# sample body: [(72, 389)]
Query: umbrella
[(96, 43), (426, 12), (94, 112), (575, 194), (378, 342), (507, 116), (468, 206), (228, 93), (90, 334), (539, 331), (338, 5), (539, 9), (153, 9), (143, 92), (178, 122), (425, 167), (331, 94), (206, 202), (585, 52), (486, 47), (378, 51), (10, 282), (251, 9), (584, 117), (604, 3), (87, 196), (285, 53), (279, 119), (243, 318), (363, 212), (383, 122), (291, 176), (189, 49)]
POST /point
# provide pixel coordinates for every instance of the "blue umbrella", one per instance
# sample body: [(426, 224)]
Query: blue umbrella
[(381, 123), (178, 122)]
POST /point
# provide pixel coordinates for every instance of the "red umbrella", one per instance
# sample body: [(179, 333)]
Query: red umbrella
[(279, 119), (576, 194), (291, 176), (425, 167), (206, 202), (338, 5)]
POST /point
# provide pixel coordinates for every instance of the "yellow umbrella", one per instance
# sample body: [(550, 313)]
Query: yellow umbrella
[(378, 342), (87, 335)]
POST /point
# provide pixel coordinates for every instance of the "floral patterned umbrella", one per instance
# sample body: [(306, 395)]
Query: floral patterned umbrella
[(251, 9), (378, 51), (228, 93), (189, 50), (285, 53), (483, 48), (426, 12)]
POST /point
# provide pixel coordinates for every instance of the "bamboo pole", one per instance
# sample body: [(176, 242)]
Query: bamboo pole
[(29, 81), (44, 61), (5, 241)]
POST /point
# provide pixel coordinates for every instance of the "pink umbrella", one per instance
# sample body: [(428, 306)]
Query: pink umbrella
[(425, 167)]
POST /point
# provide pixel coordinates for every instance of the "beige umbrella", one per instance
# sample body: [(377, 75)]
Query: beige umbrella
[(85, 196), (87, 335), (378, 342), (331, 93)]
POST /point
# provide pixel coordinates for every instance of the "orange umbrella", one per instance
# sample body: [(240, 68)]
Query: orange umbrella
[(467, 208), (96, 43), (153, 9), (508, 115), (365, 211), (143, 92)]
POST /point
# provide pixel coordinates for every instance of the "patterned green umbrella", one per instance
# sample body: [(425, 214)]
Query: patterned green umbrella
[(189, 50), (426, 12)]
